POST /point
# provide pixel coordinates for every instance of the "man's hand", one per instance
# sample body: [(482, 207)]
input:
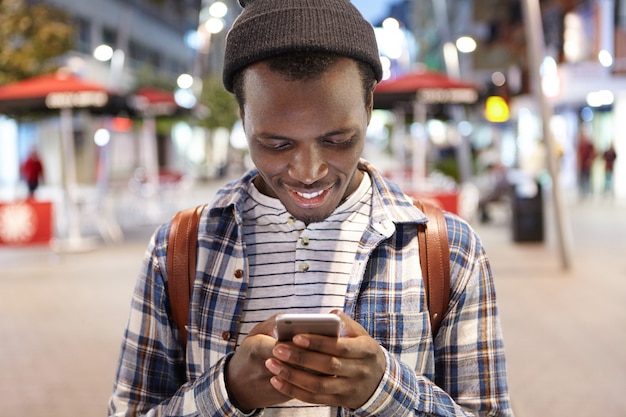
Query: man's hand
[(247, 378), (340, 372)]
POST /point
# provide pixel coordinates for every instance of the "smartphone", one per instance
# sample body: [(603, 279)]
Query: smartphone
[(288, 325)]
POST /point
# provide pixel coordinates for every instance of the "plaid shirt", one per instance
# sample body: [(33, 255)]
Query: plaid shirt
[(460, 372)]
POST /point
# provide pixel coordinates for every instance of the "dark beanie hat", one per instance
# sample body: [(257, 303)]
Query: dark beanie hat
[(267, 28)]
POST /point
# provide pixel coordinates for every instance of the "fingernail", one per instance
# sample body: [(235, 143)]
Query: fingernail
[(301, 341), (281, 352), (276, 382), (273, 366)]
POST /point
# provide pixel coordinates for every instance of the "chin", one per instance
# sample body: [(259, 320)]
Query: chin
[(311, 219), (308, 218)]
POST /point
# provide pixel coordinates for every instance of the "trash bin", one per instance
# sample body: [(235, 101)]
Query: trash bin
[(527, 212)]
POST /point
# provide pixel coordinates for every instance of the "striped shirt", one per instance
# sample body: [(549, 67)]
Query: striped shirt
[(460, 372), (303, 269), (299, 268)]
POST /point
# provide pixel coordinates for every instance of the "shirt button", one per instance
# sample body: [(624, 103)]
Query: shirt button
[(304, 267), (239, 273), (305, 241), (291, 220), (225, 335)]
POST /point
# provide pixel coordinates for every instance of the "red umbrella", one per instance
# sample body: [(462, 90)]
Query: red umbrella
[(59, 90), (155, 95), (425, 87), (154, 101)]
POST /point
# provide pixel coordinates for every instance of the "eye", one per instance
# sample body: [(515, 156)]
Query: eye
[(340, 141), (274, 144)]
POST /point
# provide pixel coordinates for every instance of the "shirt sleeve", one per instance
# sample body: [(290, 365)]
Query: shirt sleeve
[(470, 371), (152, 378)]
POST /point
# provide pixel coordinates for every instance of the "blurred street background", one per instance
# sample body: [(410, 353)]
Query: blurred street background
[(506, 112)]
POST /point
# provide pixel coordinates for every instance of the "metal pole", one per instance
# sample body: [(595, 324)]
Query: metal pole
[(453, 70), (151, 164), (536, 54), (71, 186), (420, 146)]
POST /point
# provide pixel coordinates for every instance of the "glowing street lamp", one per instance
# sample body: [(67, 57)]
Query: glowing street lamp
[(184, 81), (103, 53), (466, 44), (218, 9), (214, 25)]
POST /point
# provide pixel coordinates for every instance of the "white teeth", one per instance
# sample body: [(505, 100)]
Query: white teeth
[(309, 195)]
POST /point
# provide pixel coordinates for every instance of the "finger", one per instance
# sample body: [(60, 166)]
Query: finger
[(353, 347), (348, 363), (352, 380), (312, 361), (357, 358), (304, 395), (303, 385), (327, 390)]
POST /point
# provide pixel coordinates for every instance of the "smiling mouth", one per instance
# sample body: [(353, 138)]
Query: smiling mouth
[(309, 196), (310, 199)]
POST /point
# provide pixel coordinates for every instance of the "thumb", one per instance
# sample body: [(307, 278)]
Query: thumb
[(265, 327), (349, 327)]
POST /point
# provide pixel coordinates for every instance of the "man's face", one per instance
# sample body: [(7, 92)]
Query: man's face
[(306, 137)]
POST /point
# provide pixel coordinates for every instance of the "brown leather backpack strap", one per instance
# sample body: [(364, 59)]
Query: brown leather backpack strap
[(181, 264), (435, 261)]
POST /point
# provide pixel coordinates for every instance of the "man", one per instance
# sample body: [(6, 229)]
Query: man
[(609, 157), (586, 157), (313, 228), (32, 172)]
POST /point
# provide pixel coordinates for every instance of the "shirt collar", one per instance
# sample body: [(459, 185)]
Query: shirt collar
[(389, 204)]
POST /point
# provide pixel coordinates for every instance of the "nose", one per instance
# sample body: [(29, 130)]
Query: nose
[(309, 165)]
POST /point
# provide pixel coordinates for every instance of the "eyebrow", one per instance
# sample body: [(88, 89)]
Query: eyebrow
[(347, 131)]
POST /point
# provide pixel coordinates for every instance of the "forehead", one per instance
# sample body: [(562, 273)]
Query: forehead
[(340, 78), (275, 103), (294, 70)]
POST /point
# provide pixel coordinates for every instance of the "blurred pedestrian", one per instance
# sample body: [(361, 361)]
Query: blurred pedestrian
[(32, 172), (609, 157), (313, 228), (496, 188), (586, 157)]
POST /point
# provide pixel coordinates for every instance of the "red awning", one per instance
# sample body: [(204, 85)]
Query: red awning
[(41, 86), (156, 95), (423, 86), (55, 91), (154, 101)]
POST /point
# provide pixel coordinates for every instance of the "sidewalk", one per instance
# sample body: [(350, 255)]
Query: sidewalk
[(565, 331), (62, 318)]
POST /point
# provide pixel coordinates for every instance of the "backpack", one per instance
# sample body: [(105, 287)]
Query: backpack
[(434, 261)]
